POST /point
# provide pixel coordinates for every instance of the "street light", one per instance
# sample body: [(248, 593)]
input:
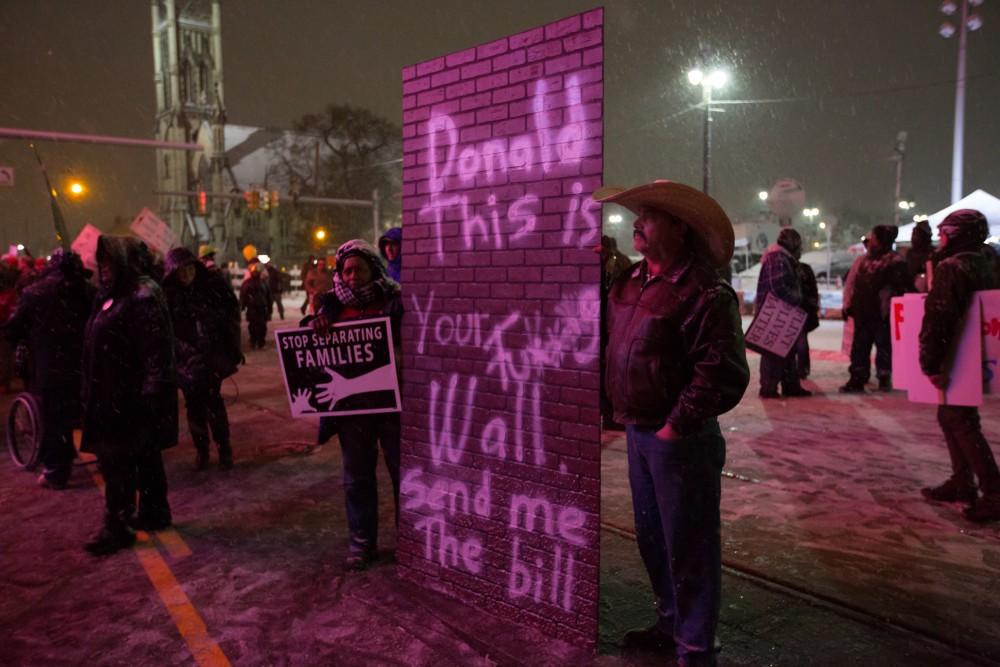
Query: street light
[(829, 250), (320, 234), (907, 205), (762, 195), (968, 21), (713, 80), (77, 189), (810, 213), (615, 218)]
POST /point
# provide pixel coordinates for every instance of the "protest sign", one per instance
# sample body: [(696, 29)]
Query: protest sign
[(776, 327), (156, 233), (989, 309), (901, 323), (85, 245), (963, 364), (349, 371)]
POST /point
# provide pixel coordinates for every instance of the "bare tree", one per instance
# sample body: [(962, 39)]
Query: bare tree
[(343, 152)]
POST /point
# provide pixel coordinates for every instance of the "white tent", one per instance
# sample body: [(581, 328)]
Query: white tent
[(979, 200)]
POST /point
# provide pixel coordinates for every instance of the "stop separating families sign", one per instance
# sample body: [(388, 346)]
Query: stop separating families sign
[(351, 370)]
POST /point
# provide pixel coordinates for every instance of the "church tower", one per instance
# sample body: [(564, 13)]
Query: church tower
[(190, 108)]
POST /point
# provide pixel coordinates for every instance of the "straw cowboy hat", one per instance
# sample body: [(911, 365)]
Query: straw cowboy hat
[(698, 211)]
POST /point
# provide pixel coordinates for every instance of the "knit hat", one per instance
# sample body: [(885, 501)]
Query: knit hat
[(362, 248)]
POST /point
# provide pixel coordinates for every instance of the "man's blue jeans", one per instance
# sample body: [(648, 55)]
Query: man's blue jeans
[(676, 491), (867, 333)]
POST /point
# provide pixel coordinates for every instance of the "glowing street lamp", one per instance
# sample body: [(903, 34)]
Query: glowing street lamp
[(77, 188), (762, 195), (320, 234), (907, 205), (710, 81), (615, 218), (810, 213)]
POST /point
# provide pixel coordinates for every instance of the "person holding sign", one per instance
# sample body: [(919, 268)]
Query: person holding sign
[(362, 289), (780, 277), (961, 269), (675, 362)]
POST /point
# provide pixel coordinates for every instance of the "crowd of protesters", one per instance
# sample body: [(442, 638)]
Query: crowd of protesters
[(118, 357)]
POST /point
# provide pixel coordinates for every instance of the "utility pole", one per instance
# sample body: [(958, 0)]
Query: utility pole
[(898, 154)]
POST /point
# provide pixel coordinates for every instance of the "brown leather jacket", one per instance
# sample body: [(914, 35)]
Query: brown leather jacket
[(675, 352)]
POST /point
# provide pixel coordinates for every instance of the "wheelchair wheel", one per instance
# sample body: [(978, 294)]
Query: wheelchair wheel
[(24, 431)]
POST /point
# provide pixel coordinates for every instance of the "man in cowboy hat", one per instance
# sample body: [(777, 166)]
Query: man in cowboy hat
[(675, 362)]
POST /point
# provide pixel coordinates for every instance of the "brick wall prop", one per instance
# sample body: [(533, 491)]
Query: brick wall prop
[(500, 492)]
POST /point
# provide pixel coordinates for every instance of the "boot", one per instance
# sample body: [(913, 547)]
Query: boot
[(885, 383), (952, 491), (797, 391), (853, 386), (984, 510), (112, 537), (225, 456), (650, 640)]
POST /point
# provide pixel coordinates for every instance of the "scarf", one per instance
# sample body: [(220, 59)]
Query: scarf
[(359, 298)]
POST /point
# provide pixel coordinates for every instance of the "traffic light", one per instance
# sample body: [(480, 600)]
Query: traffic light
[(202, 202), (265, 200), (274, 199)]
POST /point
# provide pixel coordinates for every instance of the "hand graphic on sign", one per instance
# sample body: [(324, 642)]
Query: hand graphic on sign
[(328, 391), (300, 402), (338, 387)]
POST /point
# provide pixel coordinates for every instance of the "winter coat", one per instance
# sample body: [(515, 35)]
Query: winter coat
[(255, 297), (395, 267), (810, 295), (779, 275), (334, 311), (129, 381), (206, 322), (50, 319), (956, 276), (874, 280), (675, 348)]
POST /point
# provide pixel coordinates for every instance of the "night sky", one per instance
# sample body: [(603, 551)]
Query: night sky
[(849, 75)]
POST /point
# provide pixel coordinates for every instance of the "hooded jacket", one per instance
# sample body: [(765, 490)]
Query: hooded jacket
[(962, 268), (206, 321), (394, 267), (779, 275), (50, 319), (129, 384)]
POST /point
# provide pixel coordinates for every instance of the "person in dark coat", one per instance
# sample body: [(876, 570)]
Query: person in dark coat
[(129, 393), (276, 285), (779, 275), (390, 247), (50, 319), (206, 321), (255, 299), (362, 289), (875, 278), (810, 304), (961, 269), (920, 251)]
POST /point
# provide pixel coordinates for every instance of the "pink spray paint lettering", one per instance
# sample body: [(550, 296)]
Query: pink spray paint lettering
[(500, 488)]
